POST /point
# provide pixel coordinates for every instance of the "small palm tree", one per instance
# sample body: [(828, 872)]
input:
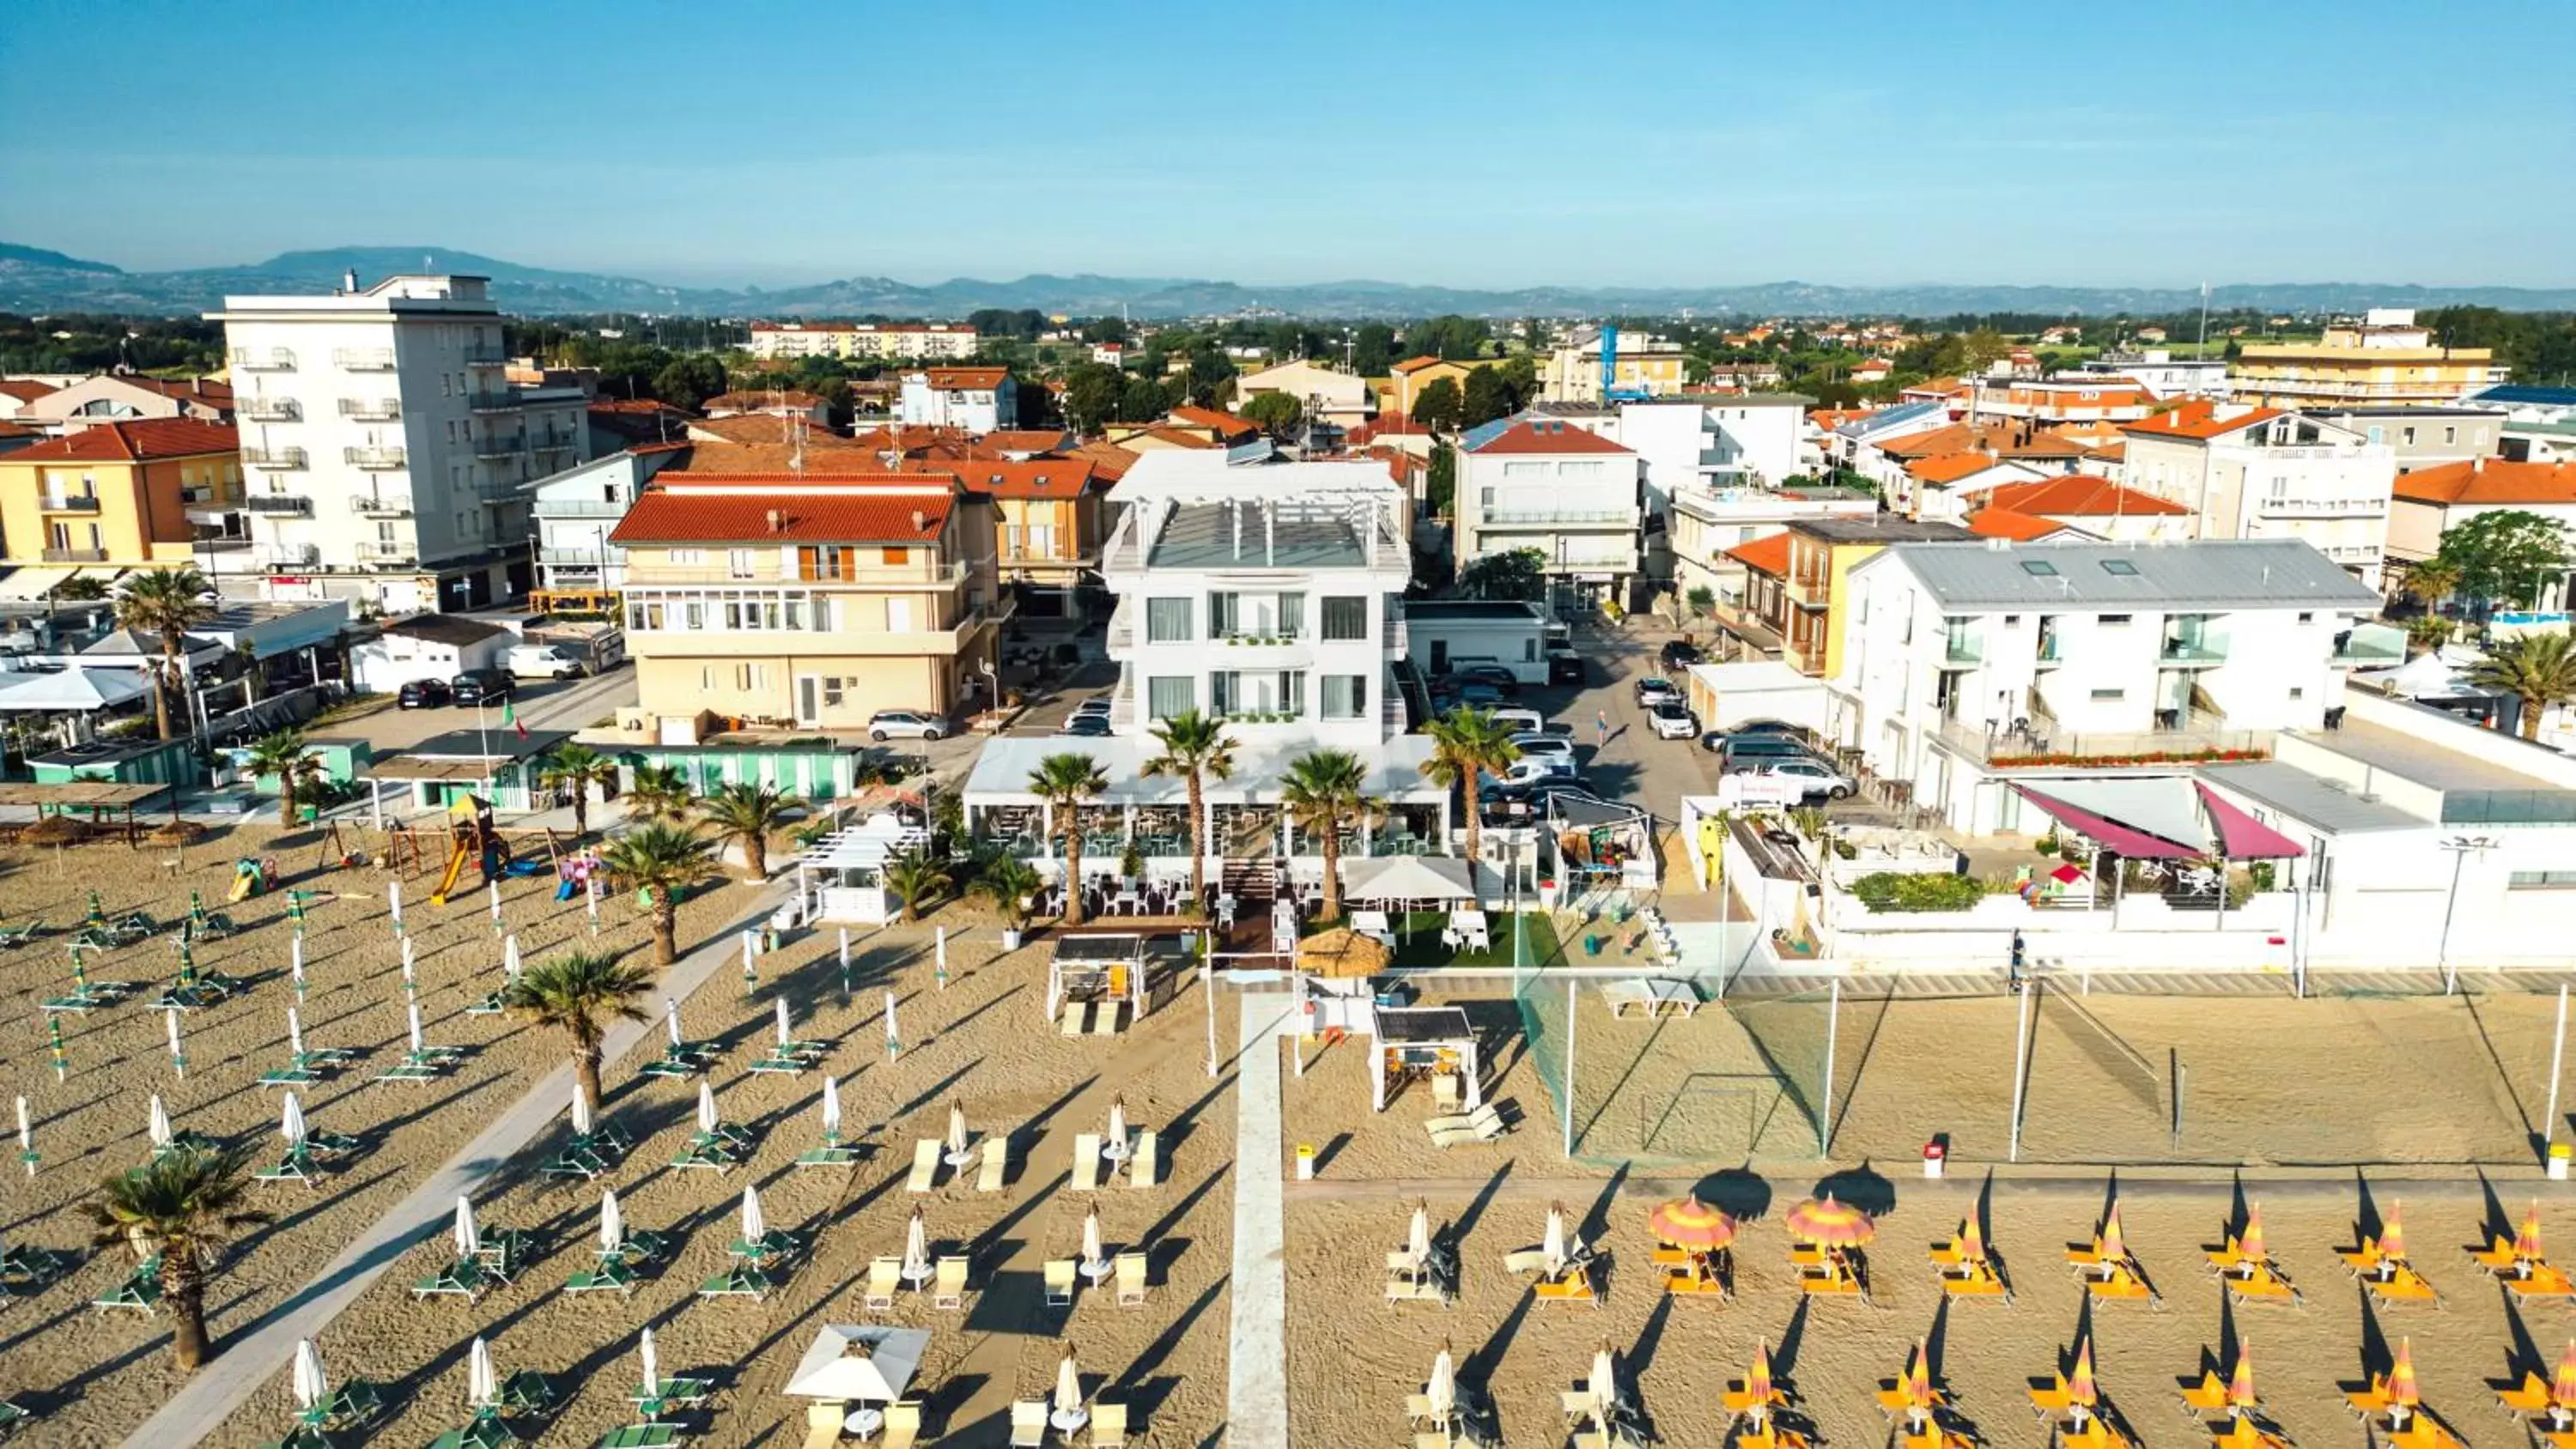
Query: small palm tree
[(1322, 791), (749, 813), (661, 861), (2539, 670), (658, 792), (2428, 631), (1196, 749), (915, 877), (2430, 581), (1067, 782), (580, 992), (1466, 746), (167, 602), (282, 754), (1010, 883), (578, 767), (181, 1207)]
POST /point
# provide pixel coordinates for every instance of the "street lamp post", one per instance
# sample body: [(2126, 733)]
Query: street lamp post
[(2459, 846)]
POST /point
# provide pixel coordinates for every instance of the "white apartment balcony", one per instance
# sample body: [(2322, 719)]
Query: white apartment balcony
[(1399, 638), (581, 558), (75, 555), (269, 409), (69, 503), (385, 552), (1122, 625), (1122, 706), (1808, 593), (582, 507), (371, 409), (380, 460), (766, 574), (278, 505), (381, 505), (363, 359), (2351, 553), (287, 556), (2295, 507), (549, 442), (1548, 519), (2049, 746), (263, 359), (276, 460)]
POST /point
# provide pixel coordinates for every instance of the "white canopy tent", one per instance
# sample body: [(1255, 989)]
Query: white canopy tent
[(859, 1361), (1407, 878)]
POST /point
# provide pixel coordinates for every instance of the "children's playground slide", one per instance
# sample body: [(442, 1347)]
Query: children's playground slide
[(469, 824)]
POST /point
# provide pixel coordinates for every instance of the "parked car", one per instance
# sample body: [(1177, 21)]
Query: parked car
[(1533, 745), (1514, 717), (1477, 696), (1653, 689), (1680, 653), (1766, 727), (1745, 738), (542, 661), (1672, 721), (1082, 726), (1818, 777), (1564, 666), (423, 694), (1493, 674), (887, 724), (1529, 769), (1731, 748), (481, 686), (1098, 704)]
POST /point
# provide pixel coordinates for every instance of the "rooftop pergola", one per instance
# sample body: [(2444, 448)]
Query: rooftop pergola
[(842, 875)]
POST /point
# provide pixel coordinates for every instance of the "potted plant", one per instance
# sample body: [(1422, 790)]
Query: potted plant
[(1012, 885), (1131, 861)]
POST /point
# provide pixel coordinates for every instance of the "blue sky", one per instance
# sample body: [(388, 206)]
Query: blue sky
[(1501, 143)]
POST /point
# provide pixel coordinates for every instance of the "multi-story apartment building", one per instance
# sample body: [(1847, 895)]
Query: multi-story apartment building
[(2429, 502), (1046, 516), (2539, 422), (971, 399), (1810, 607), (807, 600), (2161, 373), (119, 397), (2385, 358), (118, 495), (1971, 667), (1709, 522), (1573, 495), (1643, 365), (383, 454), (2424, 437), (2256, 472), (576, 511), (881, 341), (1328, 395), (2077, 397)]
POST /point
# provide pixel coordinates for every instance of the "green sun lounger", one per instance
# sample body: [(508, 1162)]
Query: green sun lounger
[(641, 1436), (742, 1280), (488, 1431), (141, 1290), (462, 1278)]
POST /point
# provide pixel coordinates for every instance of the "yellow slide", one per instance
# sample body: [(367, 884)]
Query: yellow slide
[(447, 882), (242, 884)]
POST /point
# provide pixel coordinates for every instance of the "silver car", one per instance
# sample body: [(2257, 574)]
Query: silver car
[(914, 724)]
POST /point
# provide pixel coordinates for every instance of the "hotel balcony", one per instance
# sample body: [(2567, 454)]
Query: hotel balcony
[(2322, 507), (2059, 747), (285, 505), (371, 409), (75, 555), (509, 447), (363, 359), (269, 409), (263, 359), (2193, 653), (375, 459), (381, 505), (1547, 518), (491, 402), (1808, 593), (2052, 652), (387, 552), (276, 460), (70, 503), (484, 354), (1963, 651)]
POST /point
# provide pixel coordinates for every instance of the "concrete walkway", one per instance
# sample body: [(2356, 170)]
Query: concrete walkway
[(249, 1357), (1257, 1359)]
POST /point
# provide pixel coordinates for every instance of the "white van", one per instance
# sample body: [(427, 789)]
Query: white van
[(542, 661)]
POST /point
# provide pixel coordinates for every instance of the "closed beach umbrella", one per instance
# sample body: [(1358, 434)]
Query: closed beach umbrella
[(652, 1367), (2080, 1389), (412, 1022), (1757, 1384), (894, 1041), (1918, 1380), (1972, 1241), (671, 1020), (2562, 1383), (1417, 1237), (831, 1108), (1118, 1122), (407, 978), (2240, 1384), (295, 963), (956, 1127), (2526, 1241), (916, 1245), (612, 1224), (1091, 1250), (480, 1387), (159, 1127), (581, 1122), (1830, 1223), (1604, 1382), (290, 1123), (1475, 1091), (1442, 1390), (2250, 1243), (2402, 1389), (312, 1386), (294, 1031), (1689, 1223), (2392, 1233), (468, 1238), (783, 1038), (755, 1223), (2114, 1247), (178, 1053), (707, 1118), (510, 956), (1552, 1246), (1068, 1385)]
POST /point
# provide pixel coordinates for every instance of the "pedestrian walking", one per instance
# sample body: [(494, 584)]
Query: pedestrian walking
[(1600, 727)]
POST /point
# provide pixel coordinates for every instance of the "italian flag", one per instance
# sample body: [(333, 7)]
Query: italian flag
[(510, 717)]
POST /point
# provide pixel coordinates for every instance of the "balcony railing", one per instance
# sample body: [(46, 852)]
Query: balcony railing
[(2350, 552), (282, 504), (71, 503), (485, 354), (2052, 652), (380, 551), (2048, 745), (273, 459), (582, 507), (374, 459), (549, 442), (590, 558), (75, 555), (1122, 625), (263, 359), (2193, 652), (371, 409), (509, 447), (2367, 653), (1963, 650), (491, 402), (1560, 517), (363, 359), (2323, 507), (380, 505), (1807, 593), (1399, 636), (269, 409), (289, 556)]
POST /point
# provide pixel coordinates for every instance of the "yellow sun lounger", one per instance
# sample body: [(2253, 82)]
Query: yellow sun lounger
[(1086, 1162), (2208, 1396), (2403, 1285), (2531, 1396), (2265, 1284), (997, 1161), (925, 1166), (1574, 1287)]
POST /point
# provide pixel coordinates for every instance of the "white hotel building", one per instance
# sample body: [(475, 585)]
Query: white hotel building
[(382, 452), (2256, 472)]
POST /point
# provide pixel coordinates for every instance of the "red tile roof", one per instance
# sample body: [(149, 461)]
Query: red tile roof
[(1174, 436), (2476, 480), (186, 389), (2020, 527), (1108, 460), (2199, 418), (1223, 424), (135, 440), (1386, 425), (967, 379), (1764, 555), (756, 428), (1951, 467), (1548, 437), (789, 508), (25, 390), (758, 399), (1027, 440), (1037, 478), (1414, 364), (2082, 495)]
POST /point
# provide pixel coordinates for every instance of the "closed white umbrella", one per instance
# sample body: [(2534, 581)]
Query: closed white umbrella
[(671, 1020), (894, 1042), (956, 1129), (178, 1053), (1417, 1239), (412, 1022), (581, 1123), (408, 979), (1118, 1123), (290, 1123), (510, 956), (612, 1224), (755, 1224), (294, 1031), (916, 1246), (783, 1037), (1091, 1248), (707, 1118), (26, 1139), (494, 886), (481, 1388), (831, 1108), (295, 964), (1475, 1091), (1068, 1386), (468, 1238), (312, 1386), (1552, 1247), (1442, 1391), (160, 1125), (393, 893), (750, 954), (1604, 1382), (652, 1368)]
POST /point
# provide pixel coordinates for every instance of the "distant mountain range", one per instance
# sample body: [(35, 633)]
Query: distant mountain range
[(33, 280)]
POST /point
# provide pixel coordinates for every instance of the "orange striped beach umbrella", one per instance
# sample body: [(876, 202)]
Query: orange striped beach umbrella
[(1830, 1223), (2240, 1384), (1757, 1384), (2080, 1390), (2250, 1243), (2112, 1246), (1918, 1380), (2526, 1241), (2402, 1390), (1689, 1223), (1972, 1243), (2392, 1233), (2562, 1383)]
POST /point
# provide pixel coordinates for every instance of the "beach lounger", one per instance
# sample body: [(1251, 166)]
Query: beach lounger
[(642, 1436), (1130, 1268), (885, 1279), (1405, 1288), (462, 1278), (902, 1424), (1104, 1019), (13, 937), (823, 1423), (948, 1284), (742, 1280), (2266, 1284), (680, 1391), (1077, 1016), (2205, 1395), (611, 1274), (2049, 1397), (2543, 1281), (141, 1290), (1574, 1287), (2531, 1396), (1486, 1130), (486, 1432), (1108, 1425), (829, 1154), (1028, 1424), (1444, 1091), (412, 1070), (1146, 1162), (296, 1166), (1979, 1281), (925, 1166), (1086, 1161), (997, 1163), (1487, 1112), (780, 1063), (2497, 1257)]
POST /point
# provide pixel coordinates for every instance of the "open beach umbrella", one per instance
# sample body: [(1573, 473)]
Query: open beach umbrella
[(652, 1367), (2250, 1242), (612, 1224), (1551, 1247), (783, 1037), (671, 1021), (159, 1127), (831, 1108), (1091, 1249), (2562, 1382), (1442, 1390), (294, 1031), (707, 1118), (1689, 1223), (956, 1128), (2240, 1382), (581, 1123), (1830, 1223), (2080, 1388), (1417, 1236), (1068, 1385), (1604, 1382), (290, 1121), (916, 1244), (480, 1387), (2113, 1246), (2392, 1233), (312, 1386), (755, 1223), (2403, 1391), (2526, 1239), (1118, 1122), (411, 1022), (468, 1237)]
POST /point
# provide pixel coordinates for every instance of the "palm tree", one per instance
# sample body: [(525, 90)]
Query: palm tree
[(749, 813), (915, 877), (2539, 670), (1067, 782), (1467, 745), (658, 792), (577, 767), (1323, 791), (180, 1207), (166, 602), (1010, 883), (1196, 748), (2428, 631), (282, 754), (2430, 581), (580, 992), (661, 861)]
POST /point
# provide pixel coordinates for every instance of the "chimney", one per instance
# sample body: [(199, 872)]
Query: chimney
[(920, 521), (777, 521), (349, 282)]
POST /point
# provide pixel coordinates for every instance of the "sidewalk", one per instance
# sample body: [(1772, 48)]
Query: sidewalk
[(1257, 1356)]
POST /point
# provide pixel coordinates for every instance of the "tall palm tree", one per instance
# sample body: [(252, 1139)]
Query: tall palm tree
[(580, 992), (750, 813), (1466, 746), (1196, 748), (661, 861), (1067, 782), (2538, 669), (577, 767), (1322, 791), (658, 792), (2431, 580), (181, 1207), (915, 876), (282, 754), (166, 602)]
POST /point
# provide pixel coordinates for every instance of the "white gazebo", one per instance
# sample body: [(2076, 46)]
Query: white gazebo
[(841, 877), (1419, 1040)]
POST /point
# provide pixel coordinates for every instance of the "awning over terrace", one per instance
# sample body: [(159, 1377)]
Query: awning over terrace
[(2169, 818)]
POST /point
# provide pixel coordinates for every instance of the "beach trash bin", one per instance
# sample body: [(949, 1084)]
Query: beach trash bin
[(2558, 1152), (1935, 1153), (1305, 1162)]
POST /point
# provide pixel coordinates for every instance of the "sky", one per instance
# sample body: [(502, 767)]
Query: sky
[(1500, 143)]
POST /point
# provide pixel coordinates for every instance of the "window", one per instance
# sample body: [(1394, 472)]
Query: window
[(897, 556), (1167, 621), (1221, 616), (899, 615), (2297, 692), (1169, 695), (2122, 567), (1345, 619), (2109, 696), (739, 563), (832, 691), (2541, 880), (2012, 621), (2112, 621), (1529, 651), (2450, 434), (742, 676), (2406, 436), (1345, 696), (1292, 616), (2039, 568), (688, 557)]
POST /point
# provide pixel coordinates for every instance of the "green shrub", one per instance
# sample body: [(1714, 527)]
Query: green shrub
[(1889, 891)]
